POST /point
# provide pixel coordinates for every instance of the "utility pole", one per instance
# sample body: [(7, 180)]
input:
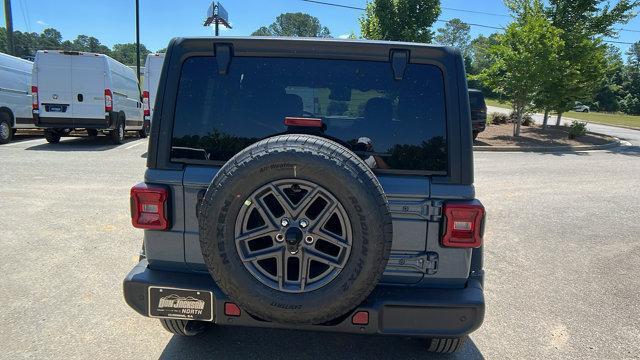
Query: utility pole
[(217, 25), (137, 38), (9, 24)]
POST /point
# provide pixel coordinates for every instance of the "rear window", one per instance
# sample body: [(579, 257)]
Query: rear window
[(390, 124), (476, 100)]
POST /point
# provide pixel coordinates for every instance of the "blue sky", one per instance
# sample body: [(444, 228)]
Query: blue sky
[(112, 21)]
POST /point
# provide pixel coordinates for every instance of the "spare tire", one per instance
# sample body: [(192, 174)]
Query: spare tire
[(296, 229)]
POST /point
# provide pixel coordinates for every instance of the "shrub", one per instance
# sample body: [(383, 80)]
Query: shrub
[(577, 129), (499, 118), (527, 120)]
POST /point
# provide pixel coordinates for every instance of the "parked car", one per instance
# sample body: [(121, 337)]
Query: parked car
[(152, 71), (580, 107), (15, 96), (311, 185), (478, 112), (79, 90)]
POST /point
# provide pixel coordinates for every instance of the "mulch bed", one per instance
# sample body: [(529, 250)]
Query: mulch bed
[(535, 136)]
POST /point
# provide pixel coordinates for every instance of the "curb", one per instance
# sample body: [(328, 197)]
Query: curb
[(609, 145)]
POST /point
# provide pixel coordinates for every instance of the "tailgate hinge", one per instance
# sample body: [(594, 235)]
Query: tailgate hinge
[(426, 263), (433, 210)]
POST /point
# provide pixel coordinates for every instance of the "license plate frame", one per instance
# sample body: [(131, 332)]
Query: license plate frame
[(176, 303)]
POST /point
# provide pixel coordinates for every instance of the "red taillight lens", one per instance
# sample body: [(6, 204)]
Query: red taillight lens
[(149, 207), (231, 309), (464, 225), (303, 122), (34, 97), (108, 100), (360, 318), (145, 103)]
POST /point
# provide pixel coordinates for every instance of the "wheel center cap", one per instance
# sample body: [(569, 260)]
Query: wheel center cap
[(293, 236)]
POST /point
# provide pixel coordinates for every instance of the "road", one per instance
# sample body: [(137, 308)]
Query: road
[(562, 255)]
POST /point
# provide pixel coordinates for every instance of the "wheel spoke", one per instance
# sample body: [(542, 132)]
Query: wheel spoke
[(314, 254), (328, 211), (304, 204), (254, 234), (267, 253)]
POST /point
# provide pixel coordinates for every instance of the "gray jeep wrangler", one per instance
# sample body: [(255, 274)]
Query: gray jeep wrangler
[(314, 185)]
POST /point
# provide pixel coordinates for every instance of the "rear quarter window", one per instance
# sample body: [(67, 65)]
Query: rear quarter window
[(393, 125)]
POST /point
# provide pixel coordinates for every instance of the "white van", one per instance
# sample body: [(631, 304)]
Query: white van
[(79, 90), (15, 96), (152, 70)]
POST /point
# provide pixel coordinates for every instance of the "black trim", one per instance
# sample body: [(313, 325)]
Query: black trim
[(20, 121), (407, 311)]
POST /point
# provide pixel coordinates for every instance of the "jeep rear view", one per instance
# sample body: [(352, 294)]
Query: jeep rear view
[(314, 185)]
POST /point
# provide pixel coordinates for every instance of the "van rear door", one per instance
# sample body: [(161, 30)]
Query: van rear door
[(53, 71), (88, 84)]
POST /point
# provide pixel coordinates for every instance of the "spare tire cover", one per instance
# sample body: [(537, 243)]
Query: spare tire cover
[(296, 229)]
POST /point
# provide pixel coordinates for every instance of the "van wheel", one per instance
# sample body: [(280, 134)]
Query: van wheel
[(6, 133), (183, 327), (52, 136), (475, 135), (92, 132), (117, 135), (445, 346), (143, 133)]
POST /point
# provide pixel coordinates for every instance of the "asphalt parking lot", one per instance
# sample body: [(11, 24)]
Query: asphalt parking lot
[(562, 260)]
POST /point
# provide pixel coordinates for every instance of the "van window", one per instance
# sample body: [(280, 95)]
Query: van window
[(399, 124)]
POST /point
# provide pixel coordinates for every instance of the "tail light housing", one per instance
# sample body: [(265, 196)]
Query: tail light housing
[(108, 100), (149, 207), (145, 103), (464, 225), (34, 97)]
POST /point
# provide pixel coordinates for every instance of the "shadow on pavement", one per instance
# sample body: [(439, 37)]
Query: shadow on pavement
[(25, 137), (85, 143), (632, 150), (256, 343)]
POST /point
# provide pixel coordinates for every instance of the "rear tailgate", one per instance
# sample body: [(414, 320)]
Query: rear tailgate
[(88, 84), (53, 73)]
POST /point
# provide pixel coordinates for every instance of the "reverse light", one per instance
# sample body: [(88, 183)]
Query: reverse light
[(149, 207), (463, 225), (145, 103), (34, 97), (108, 100)]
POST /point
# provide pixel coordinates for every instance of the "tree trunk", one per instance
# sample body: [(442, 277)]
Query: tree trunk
[(558, 119), (516, 132), (546, 118)]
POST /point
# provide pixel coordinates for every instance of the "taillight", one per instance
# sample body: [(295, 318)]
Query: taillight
[(145, 103), (34, 97), (149, 207), (108, 100), (463, 225)]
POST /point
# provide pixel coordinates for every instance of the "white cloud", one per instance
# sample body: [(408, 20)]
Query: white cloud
[(41, 23), (343, 36)]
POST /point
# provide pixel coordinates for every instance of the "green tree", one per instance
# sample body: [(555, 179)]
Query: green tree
[(400, 20), (583, 24), (630, 103), (89, 44), (455, 33), (523, 55), (50, 39), (126, 53), (294, 25)]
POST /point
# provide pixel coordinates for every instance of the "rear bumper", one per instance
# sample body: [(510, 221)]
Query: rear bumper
[(407, 311), (106, 123)]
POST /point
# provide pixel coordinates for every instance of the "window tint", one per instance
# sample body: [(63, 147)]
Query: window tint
[(396, 125), (476, 100)]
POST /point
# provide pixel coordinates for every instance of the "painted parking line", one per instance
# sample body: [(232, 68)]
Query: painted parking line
[(139, 142), (24, 142)]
